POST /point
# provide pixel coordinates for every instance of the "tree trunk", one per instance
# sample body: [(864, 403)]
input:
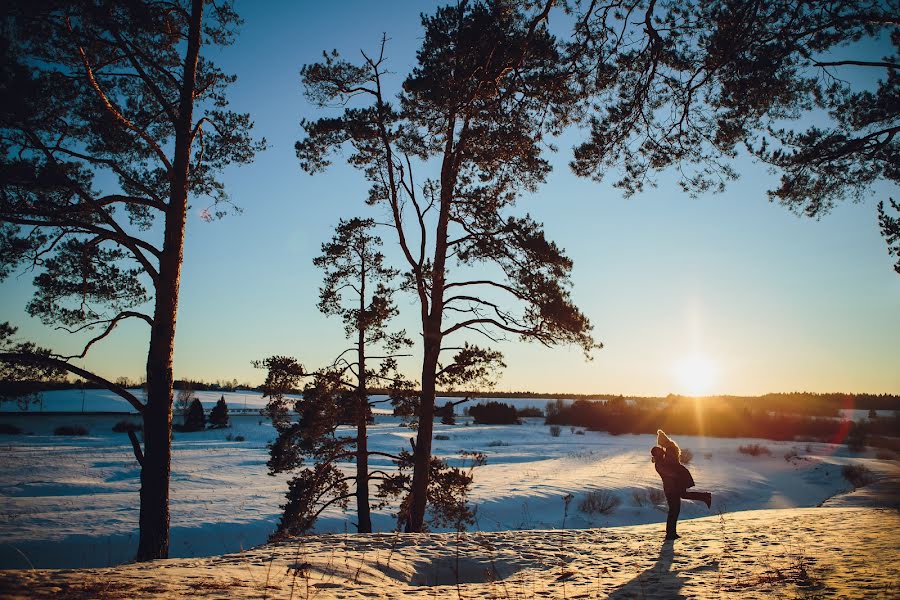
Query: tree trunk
[(362, 466), (432, 337), (364, 516), (422, 452), (154, 518)]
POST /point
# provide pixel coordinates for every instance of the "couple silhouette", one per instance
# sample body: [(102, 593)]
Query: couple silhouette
[(676, 478)]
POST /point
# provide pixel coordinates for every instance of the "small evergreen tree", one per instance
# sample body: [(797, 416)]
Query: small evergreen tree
[(195, 420), (218, 417)]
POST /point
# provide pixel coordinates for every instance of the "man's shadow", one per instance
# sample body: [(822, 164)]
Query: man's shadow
[(659, 581)]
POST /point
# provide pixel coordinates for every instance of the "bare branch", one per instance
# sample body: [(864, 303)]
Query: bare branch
[(111, 324)]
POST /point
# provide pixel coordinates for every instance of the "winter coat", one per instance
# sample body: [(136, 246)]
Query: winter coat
[(674, 474)]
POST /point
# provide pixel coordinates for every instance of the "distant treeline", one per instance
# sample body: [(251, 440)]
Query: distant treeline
[(716, 417), (805, 403), (20, 388), (808, 403), (220, 385)]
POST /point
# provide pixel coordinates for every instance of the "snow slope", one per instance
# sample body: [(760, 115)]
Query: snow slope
[(73, 502), (795, 553)]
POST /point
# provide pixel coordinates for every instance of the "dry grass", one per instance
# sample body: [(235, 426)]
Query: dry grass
[(599, 502), (755, 450)]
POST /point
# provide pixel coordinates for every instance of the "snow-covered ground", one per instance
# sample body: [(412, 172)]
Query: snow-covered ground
[(73, 501)]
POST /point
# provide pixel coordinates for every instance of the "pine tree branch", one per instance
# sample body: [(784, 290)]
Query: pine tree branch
[(27, 358)]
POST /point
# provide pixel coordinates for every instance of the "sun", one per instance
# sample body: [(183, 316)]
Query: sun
[(697, 375)]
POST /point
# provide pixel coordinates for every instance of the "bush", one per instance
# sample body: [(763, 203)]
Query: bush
[(656, 496), (494, 413), (7, 429), (441, 436), (125, 426), (70, 430), (754, 450), (686, 456), (791, 454), (555, 430), (234, 438), (239, 438), (599, 502), (858, 475), (579, 432), (639, 497), (497, 443)]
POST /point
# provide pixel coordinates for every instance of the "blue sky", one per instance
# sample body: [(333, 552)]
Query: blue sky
[(761, 299)]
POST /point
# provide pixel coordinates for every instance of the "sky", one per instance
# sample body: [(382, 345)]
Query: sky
[(726, 293)]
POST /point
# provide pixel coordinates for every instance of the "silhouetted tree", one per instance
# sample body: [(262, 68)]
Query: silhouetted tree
[(218, 416), (490, 83), (111, 119), (15, 372), (689, 84), (183, 400), (357, 287), (890, 229), (195, 419), (446, 412)]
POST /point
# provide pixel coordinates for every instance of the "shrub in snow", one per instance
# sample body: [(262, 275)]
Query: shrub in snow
[(239, 438), (497, 443), (686, 456), (218, 417), (791, 454), (7, 429), (858, 475), (579, 432), (70, 430), (639, 497), (126, 426), (555, 430), (494, 413), (441, 436), (656, 496), (599, 502), (754, 450)]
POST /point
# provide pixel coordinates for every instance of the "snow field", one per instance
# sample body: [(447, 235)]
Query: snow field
[(73, 501)]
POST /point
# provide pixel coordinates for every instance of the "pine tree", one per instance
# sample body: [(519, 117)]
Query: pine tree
[(218, 416), (195, 420)]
